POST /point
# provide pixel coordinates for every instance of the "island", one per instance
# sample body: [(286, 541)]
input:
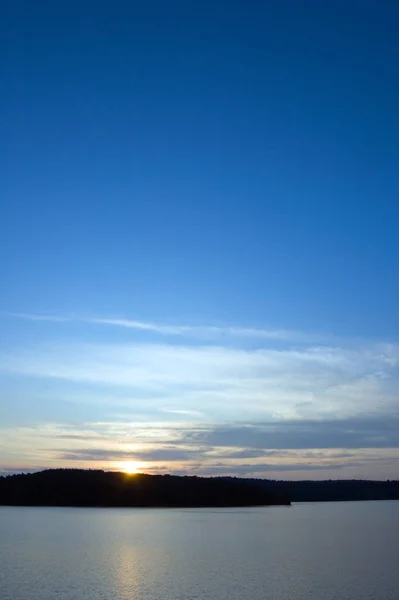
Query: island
[(97, 488)]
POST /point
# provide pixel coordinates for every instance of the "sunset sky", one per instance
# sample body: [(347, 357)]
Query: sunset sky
[(199, 239)]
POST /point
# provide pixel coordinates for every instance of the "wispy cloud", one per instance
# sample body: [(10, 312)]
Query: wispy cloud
[(48, 317), (199, 332), (223, 382), (204, 332), (373, 431), (202, 403), (210, 450)]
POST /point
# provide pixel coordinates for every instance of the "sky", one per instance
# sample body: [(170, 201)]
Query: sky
[(199, 248)]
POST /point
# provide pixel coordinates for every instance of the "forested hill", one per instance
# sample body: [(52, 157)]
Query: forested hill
[(75, 487), (79, 487), (333, 490)]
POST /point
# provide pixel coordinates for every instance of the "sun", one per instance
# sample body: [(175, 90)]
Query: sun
[(130, 468)]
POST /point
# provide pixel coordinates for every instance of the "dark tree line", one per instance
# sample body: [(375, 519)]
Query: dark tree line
[(76, 487), (333, 490)]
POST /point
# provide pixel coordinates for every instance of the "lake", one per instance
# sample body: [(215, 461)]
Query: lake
[(330, 551)]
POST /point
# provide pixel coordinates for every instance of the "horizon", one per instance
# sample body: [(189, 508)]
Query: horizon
[(129, 474), (199, 239)]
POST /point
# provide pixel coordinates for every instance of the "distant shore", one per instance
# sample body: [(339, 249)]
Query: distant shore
[(91, 488), (96, 488)]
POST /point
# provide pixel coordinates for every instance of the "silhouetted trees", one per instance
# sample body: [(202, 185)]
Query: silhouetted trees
[(76, 487), (79, 487), (333, 490)]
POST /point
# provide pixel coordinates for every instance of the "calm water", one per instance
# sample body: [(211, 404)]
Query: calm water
[(321, 551)]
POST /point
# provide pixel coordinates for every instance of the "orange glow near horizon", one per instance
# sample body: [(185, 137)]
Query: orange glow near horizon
[(130, 468)]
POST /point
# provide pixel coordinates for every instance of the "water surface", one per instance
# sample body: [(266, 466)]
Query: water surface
[(331, 551)]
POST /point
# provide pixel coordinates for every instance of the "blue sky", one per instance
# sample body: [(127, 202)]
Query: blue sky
[(199, 237)]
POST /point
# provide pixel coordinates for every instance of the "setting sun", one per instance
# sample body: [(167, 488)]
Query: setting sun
[(130, 468)]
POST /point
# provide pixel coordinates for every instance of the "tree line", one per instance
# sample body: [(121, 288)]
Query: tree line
[(79, 487)]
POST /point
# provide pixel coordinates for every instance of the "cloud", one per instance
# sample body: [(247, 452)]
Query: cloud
[(206, 332), (224, 383), (197, 397), (259, 470), (202, 450), (305, 438), (153, 455), (358, 432), (203, 461), (48, 317)]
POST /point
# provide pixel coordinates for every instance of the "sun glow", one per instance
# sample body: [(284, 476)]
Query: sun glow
[(130, 468)]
